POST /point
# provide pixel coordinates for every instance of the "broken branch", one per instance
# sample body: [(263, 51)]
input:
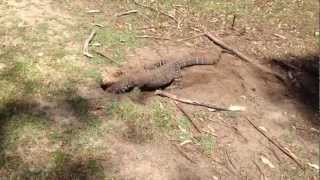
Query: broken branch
[(188, 117), (86, 44), (277, 144), (193, 102), (242, 56)]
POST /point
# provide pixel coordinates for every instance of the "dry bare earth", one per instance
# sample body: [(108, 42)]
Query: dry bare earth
[(57, 124)]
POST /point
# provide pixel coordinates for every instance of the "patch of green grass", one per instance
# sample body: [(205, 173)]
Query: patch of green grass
[(142, 122), (207, 144), (111, 38), (23, 128), (60, 159), (117, 42), (137, 120), (231, 7), (126, 110), (184, 132), (94, 168), (21, 74), (56, 136), (162, 116)]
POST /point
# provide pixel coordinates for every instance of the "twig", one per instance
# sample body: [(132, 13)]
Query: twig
[(86, 44), (192, 37), (238, 132), (156, 10), (184, 154), (243, 56), (259, 169), (107, 57), (153, 27), (277, 144), (152, 37), (229, 159), (98, 25), (126, 13), (233, 21), (192, 102), (188, 117), (229, 164), (279, 36)]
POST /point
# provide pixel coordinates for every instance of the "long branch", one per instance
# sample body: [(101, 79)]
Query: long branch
[(242, 56), (277, 144), (196, 103)]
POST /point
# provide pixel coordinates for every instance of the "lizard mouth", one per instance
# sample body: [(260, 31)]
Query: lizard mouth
[(106, 86)]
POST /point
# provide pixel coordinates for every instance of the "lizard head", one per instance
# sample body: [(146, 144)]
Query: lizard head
[(115, 87)]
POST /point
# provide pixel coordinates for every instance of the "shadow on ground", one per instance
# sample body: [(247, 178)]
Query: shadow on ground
[(303, 79), (72, 107)]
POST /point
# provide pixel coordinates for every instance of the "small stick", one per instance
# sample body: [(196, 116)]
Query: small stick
[(242, 56), (188, 117), (192, 37), (107, 57), (233, 21), (154, 27), (279, 36), (229, 159), (98, 25), (126, 13), (184, 154), (192, 102), (86, 44), (277, 144), (152, 37), (155, 10), (259, 169)]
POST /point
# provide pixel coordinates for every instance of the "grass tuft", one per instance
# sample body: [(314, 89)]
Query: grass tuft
[(162, 116), (207, 144)]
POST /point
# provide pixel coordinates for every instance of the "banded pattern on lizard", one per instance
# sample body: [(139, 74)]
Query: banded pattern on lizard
[(162, 73)]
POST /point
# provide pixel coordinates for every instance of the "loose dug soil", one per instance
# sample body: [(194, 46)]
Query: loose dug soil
[(238, 149)]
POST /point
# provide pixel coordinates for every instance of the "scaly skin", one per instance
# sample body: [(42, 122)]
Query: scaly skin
[(162, 73)]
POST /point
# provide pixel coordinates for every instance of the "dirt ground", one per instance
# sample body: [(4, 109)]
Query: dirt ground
[(57, 123)]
